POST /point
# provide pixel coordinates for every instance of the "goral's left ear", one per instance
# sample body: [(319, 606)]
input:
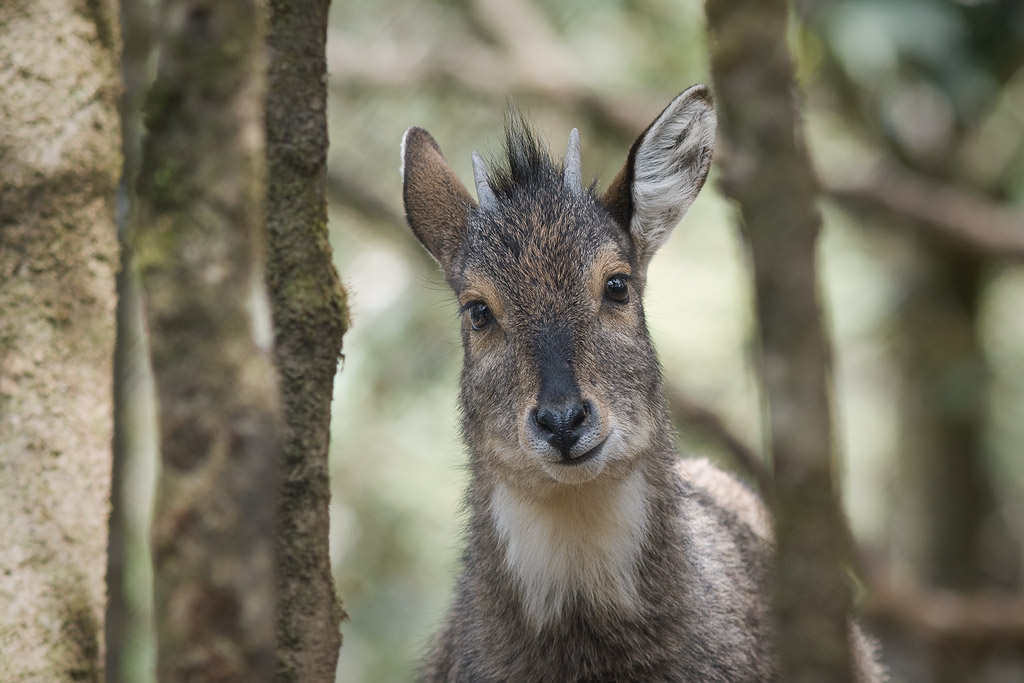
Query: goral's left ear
[(664, 172)]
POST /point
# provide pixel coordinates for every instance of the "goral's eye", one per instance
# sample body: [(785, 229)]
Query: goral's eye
[(480, 315), (617, 288)]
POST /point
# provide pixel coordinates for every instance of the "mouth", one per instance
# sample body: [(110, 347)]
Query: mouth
[(586, 457)]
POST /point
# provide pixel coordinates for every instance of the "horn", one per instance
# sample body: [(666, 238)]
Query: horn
[(572, 176), (488, 202)]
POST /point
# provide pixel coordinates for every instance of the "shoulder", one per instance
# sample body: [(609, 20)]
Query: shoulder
[(727, 492)]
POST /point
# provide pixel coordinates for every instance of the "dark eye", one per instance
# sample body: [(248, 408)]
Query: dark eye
[(617, 288), (479, 315)]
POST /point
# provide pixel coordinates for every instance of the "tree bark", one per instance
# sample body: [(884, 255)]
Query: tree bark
[(58, 171), (310, 317), (768, 173), (198, 245)]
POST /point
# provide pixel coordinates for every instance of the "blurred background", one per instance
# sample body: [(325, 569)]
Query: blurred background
[(914, 113)]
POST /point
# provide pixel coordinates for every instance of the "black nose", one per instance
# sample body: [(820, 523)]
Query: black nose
[(562, 424)]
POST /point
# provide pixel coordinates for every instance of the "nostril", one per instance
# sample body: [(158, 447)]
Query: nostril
[(547, 420), (584, 415), (576, 415)]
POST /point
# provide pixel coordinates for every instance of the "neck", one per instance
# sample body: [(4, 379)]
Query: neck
[(576, 544)]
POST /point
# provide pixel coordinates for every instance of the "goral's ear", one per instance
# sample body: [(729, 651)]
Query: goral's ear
[(665, 169), (437, 204)]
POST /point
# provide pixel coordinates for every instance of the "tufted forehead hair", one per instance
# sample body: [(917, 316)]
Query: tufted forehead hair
[(537, 227), (528, 165)]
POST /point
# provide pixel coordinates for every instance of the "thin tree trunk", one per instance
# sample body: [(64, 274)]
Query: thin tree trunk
[(949, 526), (128, 627), (59, 161), (310, 318), (767, 171), (943, 396), (198, 245)]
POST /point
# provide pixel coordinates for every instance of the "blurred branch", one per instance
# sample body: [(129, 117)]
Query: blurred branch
[(484, 70), (937, 210), (541, 58), (687, 411), (347, 190), (942, 616)]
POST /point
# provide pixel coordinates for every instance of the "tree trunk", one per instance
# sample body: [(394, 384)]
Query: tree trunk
[(766, 170), (310, 318), (58, 170), (198, 245)]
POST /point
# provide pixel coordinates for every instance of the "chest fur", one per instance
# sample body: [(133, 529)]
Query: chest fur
[(583, 544)]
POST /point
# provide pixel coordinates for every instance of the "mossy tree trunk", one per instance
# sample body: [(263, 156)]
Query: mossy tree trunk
[(766, 169), (59, 162), (310, 318), (198, 246)]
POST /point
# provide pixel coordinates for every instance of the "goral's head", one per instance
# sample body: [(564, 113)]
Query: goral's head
[(560, 381)]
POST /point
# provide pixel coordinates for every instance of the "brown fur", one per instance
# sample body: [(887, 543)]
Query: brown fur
[(593, 554)]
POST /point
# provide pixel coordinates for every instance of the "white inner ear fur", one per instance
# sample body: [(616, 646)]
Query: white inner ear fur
[(670, 167), (582, 545)]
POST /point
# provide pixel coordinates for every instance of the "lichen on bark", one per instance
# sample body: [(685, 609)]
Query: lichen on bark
[(58, 170)]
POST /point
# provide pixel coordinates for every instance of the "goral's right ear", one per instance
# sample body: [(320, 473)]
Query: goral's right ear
[(437, 204), (666, 168)]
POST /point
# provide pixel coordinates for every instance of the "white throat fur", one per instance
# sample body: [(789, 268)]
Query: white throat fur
[(585, 544)]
